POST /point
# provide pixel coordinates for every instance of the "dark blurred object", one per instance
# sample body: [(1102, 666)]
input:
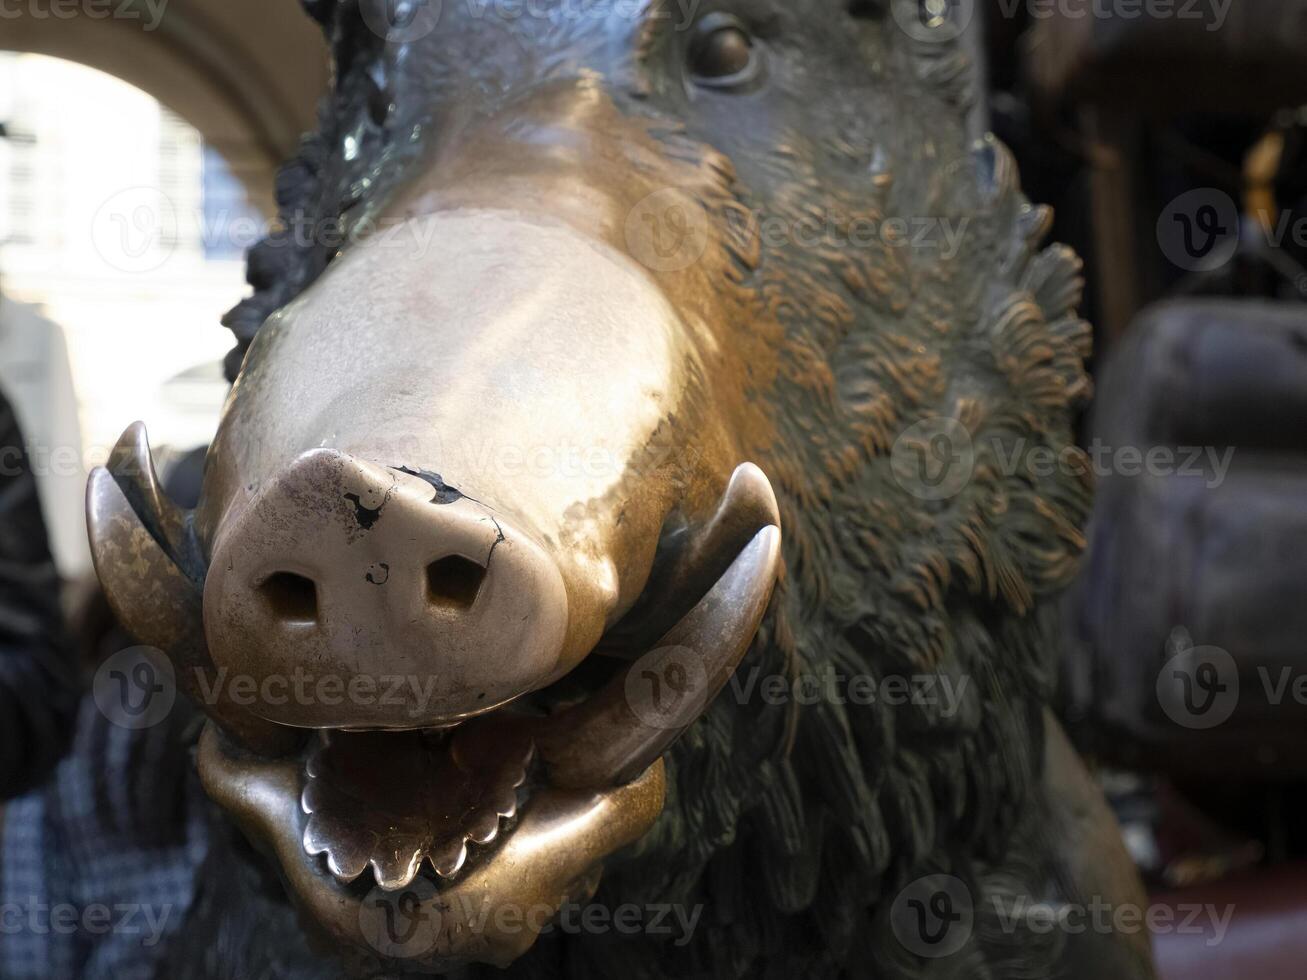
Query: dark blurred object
[(1185, 656), (1187, 621), (37, 687), (122, 822), (1174, 843), (1172, 141), (1119, 114), (1243, 57)]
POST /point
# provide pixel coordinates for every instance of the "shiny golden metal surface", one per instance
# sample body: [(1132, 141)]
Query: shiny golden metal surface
[(549, 396), (153, 579), (512, 811), (362, 572)]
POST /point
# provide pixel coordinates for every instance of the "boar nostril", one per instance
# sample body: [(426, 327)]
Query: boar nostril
[(292, 598), (454, 581)]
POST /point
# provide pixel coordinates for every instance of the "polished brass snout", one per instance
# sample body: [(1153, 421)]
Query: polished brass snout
[(388, 581)]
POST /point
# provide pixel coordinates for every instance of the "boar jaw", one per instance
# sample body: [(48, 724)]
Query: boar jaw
[(601, 788), (548, 860)]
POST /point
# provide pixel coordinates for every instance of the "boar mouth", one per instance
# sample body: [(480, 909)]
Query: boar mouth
[(546, 854), (509, 810), (405, 803)]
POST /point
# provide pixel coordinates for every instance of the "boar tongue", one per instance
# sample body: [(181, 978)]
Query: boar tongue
[(392, 800)]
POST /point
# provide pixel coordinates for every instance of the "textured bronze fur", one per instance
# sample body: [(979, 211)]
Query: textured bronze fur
[(795, 827)]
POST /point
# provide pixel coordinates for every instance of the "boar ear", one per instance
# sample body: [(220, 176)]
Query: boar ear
[(137, 545), (617, 734)]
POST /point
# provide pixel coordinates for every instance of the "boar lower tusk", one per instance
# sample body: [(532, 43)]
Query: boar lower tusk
[(621, 731)]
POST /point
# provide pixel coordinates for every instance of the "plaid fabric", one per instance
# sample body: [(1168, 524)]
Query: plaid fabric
[(98, 867)]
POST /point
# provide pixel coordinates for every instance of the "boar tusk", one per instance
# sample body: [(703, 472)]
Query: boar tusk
[(617, 734), (152, 597), (137, 540), (699, 556), (131, 464), (137, 546)]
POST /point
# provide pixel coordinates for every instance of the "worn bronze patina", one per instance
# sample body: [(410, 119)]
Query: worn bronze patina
[(612, 272)]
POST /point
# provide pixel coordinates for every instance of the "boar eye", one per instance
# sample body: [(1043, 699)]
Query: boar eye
[(722, 52)]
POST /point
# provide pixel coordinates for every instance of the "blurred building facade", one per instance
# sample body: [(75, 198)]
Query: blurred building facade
[(121, 242)]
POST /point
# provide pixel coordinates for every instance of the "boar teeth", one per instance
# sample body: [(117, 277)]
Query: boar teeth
[(394, 800)]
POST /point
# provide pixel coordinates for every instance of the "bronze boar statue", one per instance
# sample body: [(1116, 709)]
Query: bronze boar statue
[(587, 406)]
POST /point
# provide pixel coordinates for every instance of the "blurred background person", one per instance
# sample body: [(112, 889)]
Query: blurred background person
[(38, 691)]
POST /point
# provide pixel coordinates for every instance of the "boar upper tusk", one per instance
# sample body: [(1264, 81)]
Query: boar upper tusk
[(152, 597), (138, 548), (614, 736), (700, 555), (131, 465)]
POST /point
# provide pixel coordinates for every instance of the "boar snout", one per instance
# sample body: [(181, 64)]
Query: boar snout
[(425, 605)]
